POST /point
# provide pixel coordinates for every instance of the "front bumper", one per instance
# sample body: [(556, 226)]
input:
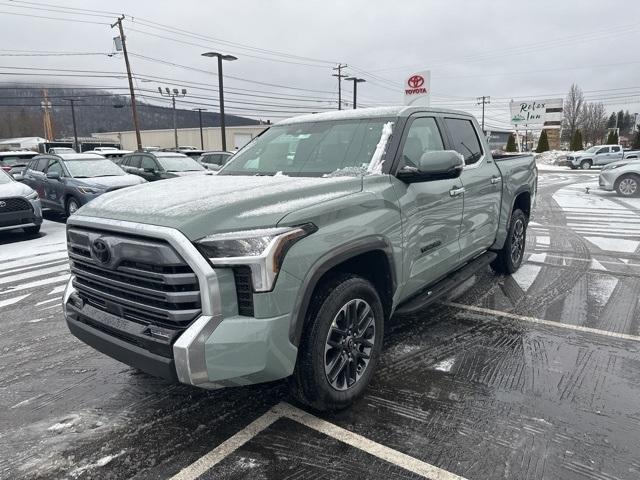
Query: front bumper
[(219, 348), (22, 219), (607, 180)]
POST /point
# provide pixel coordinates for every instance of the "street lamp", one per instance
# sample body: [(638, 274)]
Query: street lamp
[(73, 101), (200, 110), (355, 81), (173, 94), (229, 58)]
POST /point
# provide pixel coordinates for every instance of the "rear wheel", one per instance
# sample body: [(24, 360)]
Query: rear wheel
[(510, 256), (585, 164), (340, 345), (72, 206), (628, 186)]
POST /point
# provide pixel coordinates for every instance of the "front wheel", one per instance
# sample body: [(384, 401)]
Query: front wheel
[(510, 256), (340, 345), (628, 186), (72, 206), (585, 164)]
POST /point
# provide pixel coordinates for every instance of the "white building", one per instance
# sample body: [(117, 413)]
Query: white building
[(164, 138), (22, 143)]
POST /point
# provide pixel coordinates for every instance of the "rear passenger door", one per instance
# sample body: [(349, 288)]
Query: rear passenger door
[(482, 187), (616, 153), (431, 214), (34, 177)]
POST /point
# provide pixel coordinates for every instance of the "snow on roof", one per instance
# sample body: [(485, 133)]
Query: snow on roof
[(394, 111), (80, 156)]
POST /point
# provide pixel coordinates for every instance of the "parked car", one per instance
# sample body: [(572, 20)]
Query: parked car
[(622, 176), (214, 160), (154, 166), (19, 206), (59, 150), (598, 155), (67, 181), (13, 162), (290, 265), (111, 152)]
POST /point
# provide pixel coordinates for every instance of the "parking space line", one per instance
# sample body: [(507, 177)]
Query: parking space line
[(579, 328), (284, 410)]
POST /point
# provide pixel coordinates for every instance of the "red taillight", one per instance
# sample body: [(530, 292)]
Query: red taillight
[(6, 169)]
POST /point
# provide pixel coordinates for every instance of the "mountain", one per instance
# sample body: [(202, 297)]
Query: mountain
[(96, 111)]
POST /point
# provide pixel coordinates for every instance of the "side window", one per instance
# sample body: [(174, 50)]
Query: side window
[(135, 161), (423, 136), (615, 149), (148, 162), (603, 150), (207, 159), (55, 166), (217, 159), (465, 139), (42, 164)]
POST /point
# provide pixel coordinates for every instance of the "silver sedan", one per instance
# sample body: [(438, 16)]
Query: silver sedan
[(622, 176)]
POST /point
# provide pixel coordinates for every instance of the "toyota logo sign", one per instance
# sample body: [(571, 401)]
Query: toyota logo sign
[(3, 204), (416, 81), (101, 251)]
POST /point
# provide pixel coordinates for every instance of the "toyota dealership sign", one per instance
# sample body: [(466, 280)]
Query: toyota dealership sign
[(417, 89)]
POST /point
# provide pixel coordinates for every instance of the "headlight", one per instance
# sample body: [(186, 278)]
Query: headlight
[(32, 196), (88, 190), (261, 250)]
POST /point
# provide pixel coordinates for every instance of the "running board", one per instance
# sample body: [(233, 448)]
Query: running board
[(445, 285)]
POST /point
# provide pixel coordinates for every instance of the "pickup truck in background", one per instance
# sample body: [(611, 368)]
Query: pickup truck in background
[(598, 155), (289, 262)]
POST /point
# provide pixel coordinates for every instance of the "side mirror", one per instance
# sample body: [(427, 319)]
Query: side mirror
[(53, 175), (18, 177), (436, 165), (149, 170)]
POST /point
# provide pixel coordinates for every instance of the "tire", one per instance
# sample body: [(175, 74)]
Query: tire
[(328, 351), (32, 230), (71, 206), (585, 164), (628, 186), (510, 256)]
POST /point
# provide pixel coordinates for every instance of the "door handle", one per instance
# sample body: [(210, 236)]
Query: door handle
[(456, 192), (495, 180)]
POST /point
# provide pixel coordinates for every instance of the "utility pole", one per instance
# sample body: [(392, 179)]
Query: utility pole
[(173, 94), (134, 109), (355, 81), (46, 115), (229, 58), (484, 100), (340, 77), (73, 101), (200, 110)]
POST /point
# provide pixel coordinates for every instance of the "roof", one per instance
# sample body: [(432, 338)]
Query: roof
[(397, 111), (78, 156), (10, 153), (167, 154)]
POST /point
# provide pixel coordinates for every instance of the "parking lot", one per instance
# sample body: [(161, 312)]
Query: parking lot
[(528, 376)]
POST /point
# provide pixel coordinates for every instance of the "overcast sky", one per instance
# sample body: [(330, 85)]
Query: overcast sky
[(503, 49)]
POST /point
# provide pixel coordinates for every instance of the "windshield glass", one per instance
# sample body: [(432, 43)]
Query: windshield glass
[(592, 149), (310, 149), (10, 161), (179, 164), (4, 178), (93, 168)]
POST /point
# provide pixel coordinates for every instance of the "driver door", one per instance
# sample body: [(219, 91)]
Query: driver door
[(602, 156), (54, 189), (431, 211)]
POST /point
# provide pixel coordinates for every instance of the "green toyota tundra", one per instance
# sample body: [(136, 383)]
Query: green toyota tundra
[(289, 262)]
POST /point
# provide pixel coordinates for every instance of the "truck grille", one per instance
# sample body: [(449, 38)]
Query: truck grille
[(141, 279), (14, 205)]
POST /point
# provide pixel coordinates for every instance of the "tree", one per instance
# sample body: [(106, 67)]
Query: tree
[(576, 141), (593, 122), (572, 111), (511, 144), (620, 116), (636, 140), (543, 143), (627, 123), (611, 123), (612, 138)]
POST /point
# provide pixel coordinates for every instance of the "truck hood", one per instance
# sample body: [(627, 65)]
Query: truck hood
[(199, 205), (15, 189), (107, 183)]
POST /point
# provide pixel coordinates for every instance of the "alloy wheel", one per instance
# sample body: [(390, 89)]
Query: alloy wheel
[(628, 187), (349, 344), (517, 242)]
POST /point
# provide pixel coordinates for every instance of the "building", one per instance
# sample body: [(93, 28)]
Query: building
[(22, 143), (164, 138)]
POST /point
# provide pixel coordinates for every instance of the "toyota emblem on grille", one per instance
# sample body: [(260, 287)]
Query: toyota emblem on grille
[(101, 251), (3, 204)]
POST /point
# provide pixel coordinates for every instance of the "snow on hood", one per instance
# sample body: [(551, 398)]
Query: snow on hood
[(109, 182), (15, 189), (200, 205)]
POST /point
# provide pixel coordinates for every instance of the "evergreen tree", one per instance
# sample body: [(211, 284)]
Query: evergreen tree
[(627, 123), (576, 141), (636, 140), (543, 143), (511, 144), (611, 123), (620, 119), (611, 137)]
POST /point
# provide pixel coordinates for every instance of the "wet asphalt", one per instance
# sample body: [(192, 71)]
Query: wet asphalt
[(531, 376)]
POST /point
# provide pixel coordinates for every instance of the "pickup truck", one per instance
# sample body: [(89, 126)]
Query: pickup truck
[(289, 262), (598, 155)]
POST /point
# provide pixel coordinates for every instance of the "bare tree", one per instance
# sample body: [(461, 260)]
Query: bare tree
[(593, 122), (573, 105)]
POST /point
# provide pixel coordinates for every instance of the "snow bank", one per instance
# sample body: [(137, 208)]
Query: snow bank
[(551, 157)]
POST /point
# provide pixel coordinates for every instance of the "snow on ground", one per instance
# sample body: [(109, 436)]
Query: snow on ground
[(551, 157)]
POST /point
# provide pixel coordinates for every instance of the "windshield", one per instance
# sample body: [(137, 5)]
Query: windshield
[(93, 168), (11, 161), (179, 164), (310, 149), (592, 149), (4, 178)]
